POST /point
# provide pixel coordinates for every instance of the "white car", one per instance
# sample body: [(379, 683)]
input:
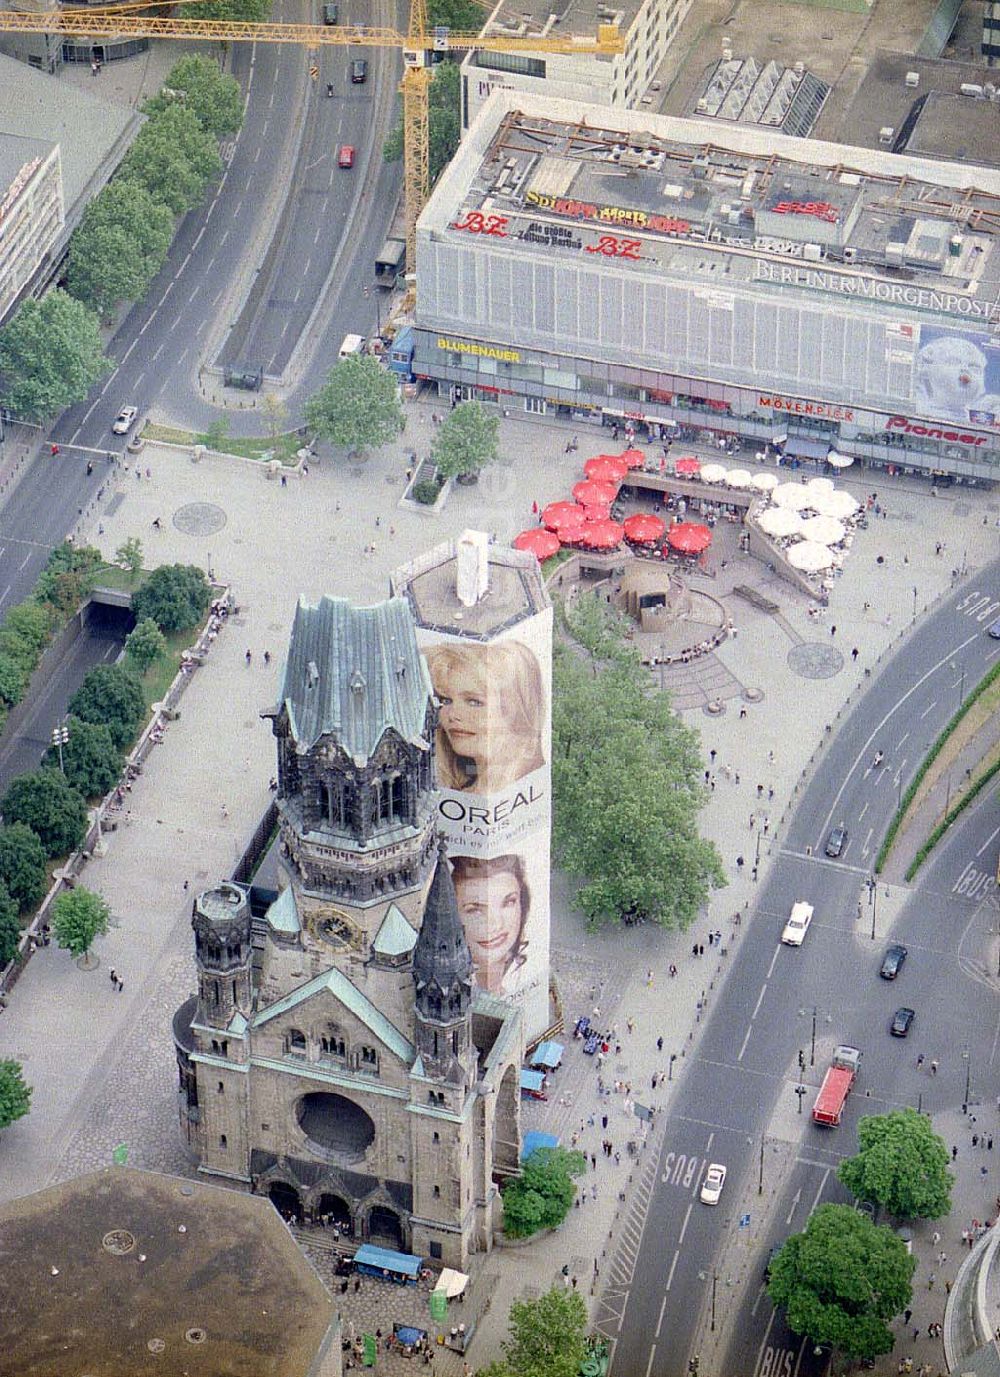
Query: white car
[(125, 420), (798, 924), (711, 1187)]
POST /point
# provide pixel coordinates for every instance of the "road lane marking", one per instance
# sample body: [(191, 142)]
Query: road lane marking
[(929, 709), (27, 557), (745, 1041), (864, 810), (821, 1189), (652, 1355), (901, 740), (659, 1322), (774, 959), (3, 599), (989, 841), (796, 1198), (670, 1274), (760, 1000), (822, 860), (680, 1236), (868, 842), (763, 1342)]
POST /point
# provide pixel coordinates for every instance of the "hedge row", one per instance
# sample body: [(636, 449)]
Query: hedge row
[(950, 817)]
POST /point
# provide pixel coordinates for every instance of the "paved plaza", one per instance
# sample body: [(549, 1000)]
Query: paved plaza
[(102, 1063)]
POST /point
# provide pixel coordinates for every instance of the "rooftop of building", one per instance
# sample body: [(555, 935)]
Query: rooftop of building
[(710, 199), (125, 1271), (429, 584), (17, 151), (570, 18)]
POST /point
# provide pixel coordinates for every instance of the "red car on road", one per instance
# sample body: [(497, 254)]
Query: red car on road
[(346, 158)]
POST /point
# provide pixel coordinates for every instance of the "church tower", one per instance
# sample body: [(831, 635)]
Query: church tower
[(442, 974), (223, 953)]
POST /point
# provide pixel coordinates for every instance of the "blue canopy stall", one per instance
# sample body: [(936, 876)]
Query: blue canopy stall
[(533, 1085), (547, 1055), (387, 1264), (535, 1140)]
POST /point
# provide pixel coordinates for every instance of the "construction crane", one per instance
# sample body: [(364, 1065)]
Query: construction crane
[(418, 46)]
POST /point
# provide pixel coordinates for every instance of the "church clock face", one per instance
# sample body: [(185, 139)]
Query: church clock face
[(334, 926)]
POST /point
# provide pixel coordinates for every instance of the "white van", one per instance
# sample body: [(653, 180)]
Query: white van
[(798, 924), (352, 344)]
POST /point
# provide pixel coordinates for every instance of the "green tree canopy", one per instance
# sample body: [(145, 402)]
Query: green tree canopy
[(50, 807), (175, 596), (129, 556), (10, 927), (119, 246), (198, 83), (444, 117), (357, 407), (23, 869), (842, 1280), (68, 577), (50, 356), (111, 696), (468, 440), (25, 632), (627, 792), (902, 1163), (547, 1337), (78, 916), (173, 158), (15, 1096), (461, 16), (90, 759), (144, 645), (542, 1195), (239, 11)]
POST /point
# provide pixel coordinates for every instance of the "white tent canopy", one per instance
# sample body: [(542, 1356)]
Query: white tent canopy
[(839, 504), (713, 473), (764, 482), (820, 485), (452, 1283), (779, 521), (810, 557), (825, 529), (793, 496), (739, 478), (838, 460)]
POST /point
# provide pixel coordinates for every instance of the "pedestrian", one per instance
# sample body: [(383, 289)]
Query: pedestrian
[(947, 1287), (711, 939), (920, 1060), (593, 1160), (989, 1143), (659, 1041), (114, 977), (855, 653), (649, 977), (740, 862), (694, 952), (931, 1280), (248, 656), (935, 1238), (907, 1316), (975, 1140), (934, 1067), (833, 631), (954, 1152), (604, 1121), (187, 885), (121, 984), (701, 951), (760, 791), (267, 657), (942, 1259)]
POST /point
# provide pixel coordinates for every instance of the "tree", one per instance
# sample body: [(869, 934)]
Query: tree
[(444, 120), (144, 645), (15, 1096), (547, 1337), (90, 759), (78, 916), (841, 1280), (173, 158), (23, 869), (239, 11), (461, 16), (129, 556), (111, 696), (627, 792), (50, 356), (542, 1195), (902, 1163), (68, 577), (50, 807), (10, 927), (210, 94), (275, 415), (25, 633), (467, 441), (175, 596), (357, 406), (120, 245)]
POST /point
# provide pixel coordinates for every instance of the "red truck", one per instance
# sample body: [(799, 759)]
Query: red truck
[(836, 1087)]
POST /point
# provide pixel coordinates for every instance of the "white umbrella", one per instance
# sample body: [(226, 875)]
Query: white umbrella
[(810, 557), (793, 496), (779, 521), (713, 473), (839, 504), (826, 529), (838, 460), (764, 482), (820, 485), (739, 478)]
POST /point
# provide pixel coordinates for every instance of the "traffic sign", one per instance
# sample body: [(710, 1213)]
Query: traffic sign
[(744, 1221), (314, 71)]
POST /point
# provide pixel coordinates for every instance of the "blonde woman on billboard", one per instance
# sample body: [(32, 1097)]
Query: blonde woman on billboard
[(493, 902), (492, 713)]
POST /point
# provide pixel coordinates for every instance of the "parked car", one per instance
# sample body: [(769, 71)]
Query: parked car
[(359, 71), (711, 1187), (901, 1020), (892, 962), (994, 630), (798, 924), (125, 420), (836, 841), (346, 156), (330, 15)]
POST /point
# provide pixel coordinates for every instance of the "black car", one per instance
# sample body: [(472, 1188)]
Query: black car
[(359, 71), (836, 841), (901, 1021), (892, 962)]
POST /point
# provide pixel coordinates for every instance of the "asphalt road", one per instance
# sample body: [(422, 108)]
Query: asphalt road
[(747, 1058)]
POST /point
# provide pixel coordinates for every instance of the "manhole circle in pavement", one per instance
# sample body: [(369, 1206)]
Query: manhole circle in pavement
[(156, 1346), (195, 1336), (815, 660), (200, 518), (118, 1241)]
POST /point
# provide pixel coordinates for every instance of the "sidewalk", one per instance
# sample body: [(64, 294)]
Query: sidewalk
[(119, 1083)]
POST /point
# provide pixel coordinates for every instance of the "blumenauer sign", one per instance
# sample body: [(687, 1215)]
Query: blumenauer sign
[(873, 289)]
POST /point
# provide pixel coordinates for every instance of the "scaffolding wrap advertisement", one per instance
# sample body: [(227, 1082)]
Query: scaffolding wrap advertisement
[(956, 376)]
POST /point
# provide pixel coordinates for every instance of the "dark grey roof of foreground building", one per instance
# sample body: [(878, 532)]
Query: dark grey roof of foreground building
[(353, 673)]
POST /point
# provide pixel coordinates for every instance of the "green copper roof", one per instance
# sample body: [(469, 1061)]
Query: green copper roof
[(341, 988), (283, 914), (395, 937), (353, 673)]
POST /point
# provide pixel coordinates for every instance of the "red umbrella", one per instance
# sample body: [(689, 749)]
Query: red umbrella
[(633, 458), (572, 535), (598, 511), (689, 464), (606, 468), (589, 492), (644, 528), (690, 537), (541, 543), (602, 535), (558, 514)]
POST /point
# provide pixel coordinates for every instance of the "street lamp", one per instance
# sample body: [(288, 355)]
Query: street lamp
[(670, 1066), (60, 736), (801, 1090), (914, 600), (968, 1076), (760, 1182), (872, 884)]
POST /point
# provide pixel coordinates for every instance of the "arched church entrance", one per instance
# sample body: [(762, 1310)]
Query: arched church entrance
[(333, 1211), (286, 1200), (385, 1228), (507, 1126)]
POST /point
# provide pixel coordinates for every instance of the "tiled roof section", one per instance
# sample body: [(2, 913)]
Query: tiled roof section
[(353, 673), (395, 937), (283, 914), (352, 999)]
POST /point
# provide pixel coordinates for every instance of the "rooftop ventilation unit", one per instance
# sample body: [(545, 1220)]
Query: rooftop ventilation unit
[(913, 80)]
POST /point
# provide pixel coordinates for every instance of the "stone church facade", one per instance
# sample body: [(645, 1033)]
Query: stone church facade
[(336, 1055)]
